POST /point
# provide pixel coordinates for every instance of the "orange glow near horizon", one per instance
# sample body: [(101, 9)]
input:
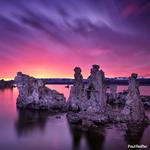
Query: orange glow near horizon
[(56, 73), (41, 64), (49, 43)]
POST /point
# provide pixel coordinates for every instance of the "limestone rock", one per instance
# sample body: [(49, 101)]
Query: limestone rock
[(133, 110), (88, 104), (34, 94), (89, 108), (146, 101), (120, 98), (91, 97), (76, 91), (96, 90), (88, 119)]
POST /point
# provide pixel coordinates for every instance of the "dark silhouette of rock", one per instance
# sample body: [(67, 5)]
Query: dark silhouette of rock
[(6, 84)]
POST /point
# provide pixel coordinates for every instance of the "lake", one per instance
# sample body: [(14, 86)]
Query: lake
[(26, 130)]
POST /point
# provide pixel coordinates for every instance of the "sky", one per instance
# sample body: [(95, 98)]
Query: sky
[(48, 38)]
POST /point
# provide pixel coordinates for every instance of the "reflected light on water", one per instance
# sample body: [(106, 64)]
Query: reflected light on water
[(26, 129)]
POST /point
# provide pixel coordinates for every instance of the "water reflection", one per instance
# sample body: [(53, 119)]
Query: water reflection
[(29, 120), (26, 129), (94, 138), (134, 134)]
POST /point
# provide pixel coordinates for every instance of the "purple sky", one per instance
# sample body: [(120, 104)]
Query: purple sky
[(49, 37)]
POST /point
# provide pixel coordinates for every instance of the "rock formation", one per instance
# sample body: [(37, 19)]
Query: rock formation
[(87, 103), (78, 83), (76, 91), (133, 110), (91, 107), (146, 101), (91, 97), (34, 94), (96, 91), (6, 84)]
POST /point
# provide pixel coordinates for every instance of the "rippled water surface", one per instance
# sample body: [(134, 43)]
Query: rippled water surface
[(25, 130)]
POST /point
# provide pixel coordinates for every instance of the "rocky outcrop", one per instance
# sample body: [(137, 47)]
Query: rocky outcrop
[(90, 97), (96, 90), (134, 109), (76, 92), (6, 84), (146, 101), (33, 94), (88, 103), (89, 107), (122, 97)]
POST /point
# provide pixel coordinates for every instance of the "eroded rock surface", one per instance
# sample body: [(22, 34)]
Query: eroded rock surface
[(91, 97), (88, 104), (134, 109), (146, 101), (34, 94), (89, 107)]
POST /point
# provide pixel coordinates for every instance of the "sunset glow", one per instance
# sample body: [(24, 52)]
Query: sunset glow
[(48, 38)]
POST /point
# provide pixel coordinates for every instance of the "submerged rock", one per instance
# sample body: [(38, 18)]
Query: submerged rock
[(33, 94)]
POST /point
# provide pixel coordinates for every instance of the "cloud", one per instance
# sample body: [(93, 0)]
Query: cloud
[(87, 31)]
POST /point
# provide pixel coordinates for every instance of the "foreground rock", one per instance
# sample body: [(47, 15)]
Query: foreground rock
[(134, 109), (88, 104), (33, 94), (91, 97)]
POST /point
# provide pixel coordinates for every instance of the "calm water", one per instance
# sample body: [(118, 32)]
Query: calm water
[(25, 130)]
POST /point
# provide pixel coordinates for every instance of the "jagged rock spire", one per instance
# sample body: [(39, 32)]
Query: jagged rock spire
[(133, 110)]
